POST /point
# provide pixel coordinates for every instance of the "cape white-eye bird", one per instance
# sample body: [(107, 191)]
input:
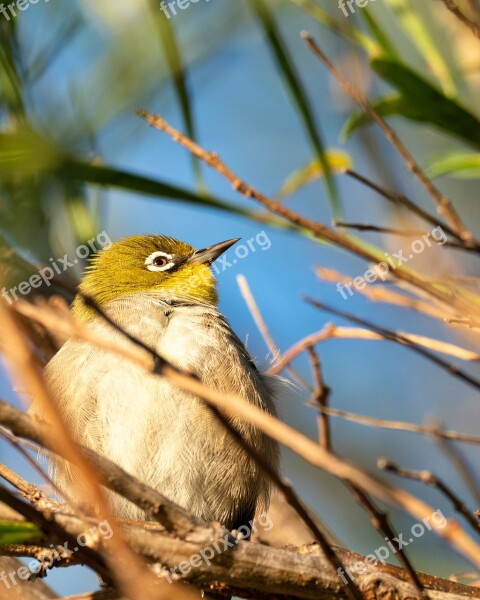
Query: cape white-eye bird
[(163, 292)]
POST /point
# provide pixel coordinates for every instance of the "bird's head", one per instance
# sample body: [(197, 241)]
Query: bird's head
[(155, 264)]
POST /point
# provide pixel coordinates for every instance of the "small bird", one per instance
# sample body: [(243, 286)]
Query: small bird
[(163, 292)]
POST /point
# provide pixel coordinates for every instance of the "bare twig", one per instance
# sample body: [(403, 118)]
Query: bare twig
[(400, 339), (432, 431), (29, 491), (263, 327), (320, 398), (444, 206), (331, 331), (381, 523), (430, 478), (257, 315), (399, 232), (381, 293), (378, 519), (17, 444), (461, 466), (402, 200), (453, 8)]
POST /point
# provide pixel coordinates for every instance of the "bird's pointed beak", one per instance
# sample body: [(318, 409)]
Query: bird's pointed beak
[(206, 256)]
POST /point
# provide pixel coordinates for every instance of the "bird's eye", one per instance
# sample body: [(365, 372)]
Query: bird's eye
[(159, 261)]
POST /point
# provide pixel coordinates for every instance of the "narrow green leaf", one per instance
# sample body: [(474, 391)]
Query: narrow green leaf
[(111, 177), (419, 100), (297, 92), (419, 34), (380, 35), (461, 165), (19, 532), (339, 162), (178, 74), (24, 152)]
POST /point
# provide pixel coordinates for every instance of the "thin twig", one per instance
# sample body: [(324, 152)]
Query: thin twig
[(460, 465), (257, 315), (331, 331), (444, 206), (320, 398), (453, 8), (381, 293), (16, 443), (263, 327), (411, 206), (400, 339), (430, 478), (378, 519), (399, 232), (29, 491), (431, 431), (381, 523)]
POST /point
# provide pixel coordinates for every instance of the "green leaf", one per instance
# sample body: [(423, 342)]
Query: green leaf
[(24, 152), (299, 96), (382, 38), (19, 532), (177, 70), (460, 165), (73, 169), (125, 180), (419, 34), (392, 105), (338, 161), (11, 88), (419, 100)]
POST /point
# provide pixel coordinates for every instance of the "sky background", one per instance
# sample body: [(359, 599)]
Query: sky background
[(242, 112)]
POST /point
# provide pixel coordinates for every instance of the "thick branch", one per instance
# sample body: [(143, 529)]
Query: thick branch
[(255, 571)]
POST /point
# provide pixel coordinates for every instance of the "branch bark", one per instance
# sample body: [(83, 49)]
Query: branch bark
[(256, 571)]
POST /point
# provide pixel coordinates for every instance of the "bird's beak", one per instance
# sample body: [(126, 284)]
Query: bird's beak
[(206, 256)]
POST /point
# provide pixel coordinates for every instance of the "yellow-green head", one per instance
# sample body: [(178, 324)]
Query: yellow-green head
[(150, 264)]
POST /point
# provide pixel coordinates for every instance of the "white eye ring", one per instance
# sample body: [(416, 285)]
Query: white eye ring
[(149, 262)]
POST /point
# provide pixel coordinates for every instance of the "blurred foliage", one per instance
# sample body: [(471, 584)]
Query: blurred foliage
[(18, 533)]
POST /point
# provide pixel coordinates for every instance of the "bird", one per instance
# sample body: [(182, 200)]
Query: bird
[(163, 292)]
